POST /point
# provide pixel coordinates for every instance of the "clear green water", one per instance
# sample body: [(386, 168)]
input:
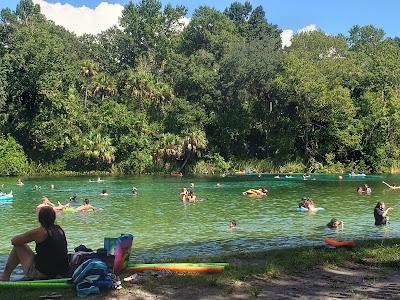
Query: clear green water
[(164, 228)]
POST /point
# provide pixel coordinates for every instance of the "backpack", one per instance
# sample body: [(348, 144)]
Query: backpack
[(92, 276)]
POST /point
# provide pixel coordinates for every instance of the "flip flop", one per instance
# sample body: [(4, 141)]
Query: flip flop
[(135, 278)]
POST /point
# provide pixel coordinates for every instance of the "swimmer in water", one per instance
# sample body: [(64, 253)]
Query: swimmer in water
[(191, 197), (392, 187), (256, 192), (86, 206), (232, 224), (183, 195), (134, 191), (19, 182), (104, 193), (307, 204), (335, 224)]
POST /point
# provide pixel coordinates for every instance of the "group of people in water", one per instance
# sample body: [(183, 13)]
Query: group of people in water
[(187, 196), (45, 202)]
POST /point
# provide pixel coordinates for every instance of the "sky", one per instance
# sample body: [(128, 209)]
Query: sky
[(332, 17)]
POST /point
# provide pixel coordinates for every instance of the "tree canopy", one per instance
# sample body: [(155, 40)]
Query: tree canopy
[(154, 95)]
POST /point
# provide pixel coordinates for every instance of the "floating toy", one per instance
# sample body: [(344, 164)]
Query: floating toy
[(62, 283), (357, 175), (335, 243), (9, 196), (302, 209), (179, 267)]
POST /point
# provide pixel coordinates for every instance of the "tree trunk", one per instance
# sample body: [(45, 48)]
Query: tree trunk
[(184, 162)]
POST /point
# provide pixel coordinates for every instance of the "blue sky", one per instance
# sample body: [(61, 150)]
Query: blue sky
[(335, 16)]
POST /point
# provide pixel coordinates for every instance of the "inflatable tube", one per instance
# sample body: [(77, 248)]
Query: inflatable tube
[(70, 210), (336, 243), (357, 175), (250, 192), (206, 264), (63, 283), (302, 209), (6, 197), (180, 269)]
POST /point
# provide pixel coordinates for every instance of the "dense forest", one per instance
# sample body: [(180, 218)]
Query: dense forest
[(152, 95)]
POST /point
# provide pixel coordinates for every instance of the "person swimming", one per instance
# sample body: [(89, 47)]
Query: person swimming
[(232, 224), (104, 193), (307, 204), (134, 191), (191, 197), (364, 189), (86, 206), (256, 192), (19, 182), (392, 187), (46, 202), (335, 224), (184, 195)]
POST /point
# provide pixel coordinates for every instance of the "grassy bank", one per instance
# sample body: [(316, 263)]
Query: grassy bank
[(244, 267)]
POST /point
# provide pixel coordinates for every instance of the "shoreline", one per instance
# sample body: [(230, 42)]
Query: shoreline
[(367, 271)]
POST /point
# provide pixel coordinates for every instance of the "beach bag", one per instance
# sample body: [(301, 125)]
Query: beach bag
[(91, 277), (121, 248)]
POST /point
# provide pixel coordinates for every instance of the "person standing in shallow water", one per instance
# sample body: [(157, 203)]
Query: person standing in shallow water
[(50, 259), (380, 213)]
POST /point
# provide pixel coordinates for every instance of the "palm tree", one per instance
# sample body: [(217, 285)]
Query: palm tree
[(98, 148), (88, 71), (194, 144), (191, 144), (104, 85)]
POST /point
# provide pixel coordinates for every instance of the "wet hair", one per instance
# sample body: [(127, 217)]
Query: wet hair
[(47, 217), (104, 191), (86, 201), (264, 190), (233, 222), (379, 204), (333, 220)]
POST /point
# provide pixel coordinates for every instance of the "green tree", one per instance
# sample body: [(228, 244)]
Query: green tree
[(88, 72)]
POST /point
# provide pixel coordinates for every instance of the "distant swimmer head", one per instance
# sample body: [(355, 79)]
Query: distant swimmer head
[(104, 191), (264, 190), (232, 224), (86, 201), (334, 223)]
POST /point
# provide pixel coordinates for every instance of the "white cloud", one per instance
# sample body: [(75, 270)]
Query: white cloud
[(309, 28), (82, 19), (286, 37), (287, 34)]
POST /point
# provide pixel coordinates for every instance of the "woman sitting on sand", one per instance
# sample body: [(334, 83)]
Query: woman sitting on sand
[(86, 206), (50, 260)]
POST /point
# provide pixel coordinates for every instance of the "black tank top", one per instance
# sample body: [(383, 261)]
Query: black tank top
[(51, 257)]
